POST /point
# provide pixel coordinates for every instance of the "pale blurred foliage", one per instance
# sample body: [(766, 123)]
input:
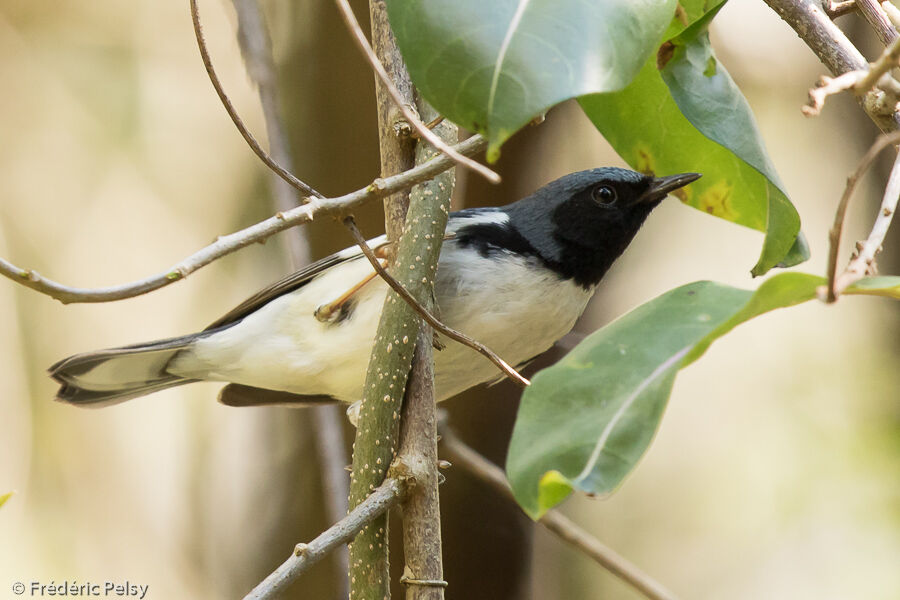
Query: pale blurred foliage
[(775, 472)]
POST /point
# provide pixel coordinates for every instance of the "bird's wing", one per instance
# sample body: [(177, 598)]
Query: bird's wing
[(290, 283)]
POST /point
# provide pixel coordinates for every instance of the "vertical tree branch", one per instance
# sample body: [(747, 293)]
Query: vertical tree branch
[(379, 416), (423, 572), (397, 147)]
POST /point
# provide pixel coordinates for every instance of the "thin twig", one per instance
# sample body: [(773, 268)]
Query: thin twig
[(864, 262), (229, 107), (859, 81), (838, 9), (256, 48), (430, 125), (227, 244), (360, 38), (304, 556), (828, 86), (836, 233), (461, 454), (427, 316)]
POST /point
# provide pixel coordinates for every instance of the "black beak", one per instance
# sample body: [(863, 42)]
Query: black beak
[(663, 186)]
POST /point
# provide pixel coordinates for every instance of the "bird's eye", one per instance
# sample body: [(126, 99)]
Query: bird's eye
[(604, 194)]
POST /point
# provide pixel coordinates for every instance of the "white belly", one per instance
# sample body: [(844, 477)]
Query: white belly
[(515, 317), (282, 346)]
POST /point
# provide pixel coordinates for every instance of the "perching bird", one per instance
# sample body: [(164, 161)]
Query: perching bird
[(515, 277)]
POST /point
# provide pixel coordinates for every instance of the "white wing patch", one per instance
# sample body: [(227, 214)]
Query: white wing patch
[(480, 217)]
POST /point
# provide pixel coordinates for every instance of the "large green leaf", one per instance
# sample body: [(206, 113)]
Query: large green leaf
[(683, 112), (586, 421), (493, 65)]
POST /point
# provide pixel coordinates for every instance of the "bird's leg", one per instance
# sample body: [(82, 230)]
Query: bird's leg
[(326, 312), (430, 125)]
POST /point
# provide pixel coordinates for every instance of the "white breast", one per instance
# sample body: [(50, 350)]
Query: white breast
[(509, 303), (506, 302)]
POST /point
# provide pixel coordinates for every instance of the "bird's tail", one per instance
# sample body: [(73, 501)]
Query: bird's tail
[(106, 377)]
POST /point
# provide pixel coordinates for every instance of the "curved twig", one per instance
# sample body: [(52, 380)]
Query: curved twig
[(461, 454), (360, 38), (229, 107), (864, 261), (423, 312), (229, 243), (840, 214)]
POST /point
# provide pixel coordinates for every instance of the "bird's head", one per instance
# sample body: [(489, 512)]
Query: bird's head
[(582, 222)]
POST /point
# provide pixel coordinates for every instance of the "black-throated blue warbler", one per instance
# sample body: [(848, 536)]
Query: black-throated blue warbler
[(515, 277)]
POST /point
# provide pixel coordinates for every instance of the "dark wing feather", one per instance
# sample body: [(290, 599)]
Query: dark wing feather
[(290, 283), (235, 394)]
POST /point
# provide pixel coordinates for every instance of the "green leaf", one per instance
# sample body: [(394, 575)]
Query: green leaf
[(689, 12), (887, 286), (690, 116), (5, 497), (492, 66), (586, 421)]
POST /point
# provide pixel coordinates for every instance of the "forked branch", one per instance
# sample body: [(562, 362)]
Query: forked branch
[(837, 230), (864, 262)]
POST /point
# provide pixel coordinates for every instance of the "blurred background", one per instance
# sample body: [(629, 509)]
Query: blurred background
[(775, 474)]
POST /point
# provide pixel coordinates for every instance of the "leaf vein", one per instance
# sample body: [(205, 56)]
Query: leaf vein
[(501, 55), (607, 431)]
